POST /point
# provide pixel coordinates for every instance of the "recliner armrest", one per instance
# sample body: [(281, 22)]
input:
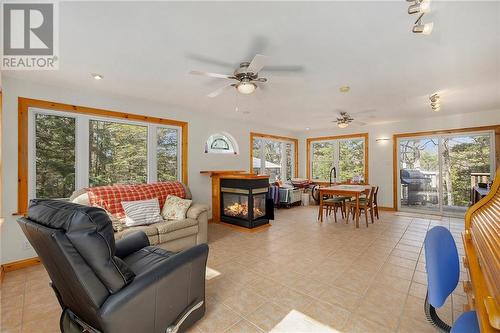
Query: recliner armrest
[(157, 297), (195, 210), (131, 243)]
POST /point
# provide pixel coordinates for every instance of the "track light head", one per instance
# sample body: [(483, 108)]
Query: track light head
[(424, 29), (422, 6)]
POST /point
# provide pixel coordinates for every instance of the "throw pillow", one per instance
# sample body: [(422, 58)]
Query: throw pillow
[(175, 208), (141, 212)]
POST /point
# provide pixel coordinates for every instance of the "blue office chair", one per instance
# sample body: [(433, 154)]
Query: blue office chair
[(443, 272)]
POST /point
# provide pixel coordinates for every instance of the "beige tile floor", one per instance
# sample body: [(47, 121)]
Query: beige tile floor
[(354, 280)]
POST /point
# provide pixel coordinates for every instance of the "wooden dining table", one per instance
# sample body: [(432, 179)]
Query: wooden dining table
[(343, 190)]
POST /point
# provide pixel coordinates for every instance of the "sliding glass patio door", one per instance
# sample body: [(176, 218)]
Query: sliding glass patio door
[(436, 173)]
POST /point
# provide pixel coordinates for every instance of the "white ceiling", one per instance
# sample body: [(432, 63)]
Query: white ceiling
[(146, 50)]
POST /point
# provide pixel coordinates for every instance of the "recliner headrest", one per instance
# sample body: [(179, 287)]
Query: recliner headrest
[(90, 231)]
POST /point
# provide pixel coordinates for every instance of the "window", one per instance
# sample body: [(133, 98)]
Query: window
[(117, 153), (345, 154), (221, 143), (274, 156), (76, 150), (55, 156)]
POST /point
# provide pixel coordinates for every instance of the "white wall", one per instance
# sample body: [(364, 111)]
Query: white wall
[(380, 153), (200, 127)]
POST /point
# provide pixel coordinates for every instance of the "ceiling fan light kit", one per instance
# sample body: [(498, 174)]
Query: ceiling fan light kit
[(246, 87), (420, 7)]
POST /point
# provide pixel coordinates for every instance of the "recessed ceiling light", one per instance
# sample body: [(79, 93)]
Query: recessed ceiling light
[(308, 128), (344, 89), (97, 76)]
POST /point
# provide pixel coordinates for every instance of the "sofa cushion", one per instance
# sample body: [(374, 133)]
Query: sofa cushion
[(169, 226), (179, 233), (175, 208), (141, 212), (149, 230)]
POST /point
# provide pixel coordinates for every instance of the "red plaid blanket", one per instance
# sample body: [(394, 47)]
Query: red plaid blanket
[(110, 197)]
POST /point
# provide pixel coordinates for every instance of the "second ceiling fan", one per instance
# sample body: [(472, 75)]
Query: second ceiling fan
[(246, 76)]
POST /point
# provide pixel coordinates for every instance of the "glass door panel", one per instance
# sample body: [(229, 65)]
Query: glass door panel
[(419, 174), (464, 157)]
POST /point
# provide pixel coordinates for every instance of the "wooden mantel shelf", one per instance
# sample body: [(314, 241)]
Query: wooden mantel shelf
[(216, 176), (221, 172)]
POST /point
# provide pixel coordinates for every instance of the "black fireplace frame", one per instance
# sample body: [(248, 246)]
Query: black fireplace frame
[(254, 187)]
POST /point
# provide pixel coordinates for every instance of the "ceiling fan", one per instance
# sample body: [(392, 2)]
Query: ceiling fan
[(345, 119), (246, 76)]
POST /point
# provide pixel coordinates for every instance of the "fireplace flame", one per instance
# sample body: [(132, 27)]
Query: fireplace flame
[(241, 210)]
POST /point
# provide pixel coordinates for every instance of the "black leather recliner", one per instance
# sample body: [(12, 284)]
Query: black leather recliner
[(103, 286)]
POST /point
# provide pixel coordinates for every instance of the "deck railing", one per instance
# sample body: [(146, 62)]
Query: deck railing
[(479, 177)]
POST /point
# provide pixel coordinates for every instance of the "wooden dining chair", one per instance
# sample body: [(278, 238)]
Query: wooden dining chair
[(365, 206), (374, 202), (333, 204)]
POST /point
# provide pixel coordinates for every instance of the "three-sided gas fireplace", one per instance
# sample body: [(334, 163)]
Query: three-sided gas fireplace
[(243, 202)]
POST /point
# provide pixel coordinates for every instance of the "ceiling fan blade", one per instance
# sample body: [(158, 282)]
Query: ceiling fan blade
[(257, 63), (220, 90), (220, 76), (209, 60), (290, 68), (260, 79)]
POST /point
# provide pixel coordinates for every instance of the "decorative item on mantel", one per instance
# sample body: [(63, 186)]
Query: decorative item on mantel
[(240, 198)]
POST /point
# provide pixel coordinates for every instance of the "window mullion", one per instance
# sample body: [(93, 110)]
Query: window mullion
[(82, 152), (152, 156), (336, 158)]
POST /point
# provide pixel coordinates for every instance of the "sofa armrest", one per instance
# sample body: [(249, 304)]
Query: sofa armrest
[(131, 243), (156, 298), (195, 210)]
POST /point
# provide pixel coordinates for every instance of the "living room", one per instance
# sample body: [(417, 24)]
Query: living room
[(342, 133)]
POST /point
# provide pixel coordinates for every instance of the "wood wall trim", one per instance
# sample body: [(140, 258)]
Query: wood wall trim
[(277, 137), (20, 264), (23, 108), (395, 137), (309, 141)]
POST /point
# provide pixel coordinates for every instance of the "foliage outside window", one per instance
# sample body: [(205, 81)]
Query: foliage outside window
[(274, 158), (55, 156), (346, 155), (117, 153), (72, 152), (167, 154)]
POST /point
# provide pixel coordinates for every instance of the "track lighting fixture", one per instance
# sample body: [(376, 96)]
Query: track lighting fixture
[(420, 7)]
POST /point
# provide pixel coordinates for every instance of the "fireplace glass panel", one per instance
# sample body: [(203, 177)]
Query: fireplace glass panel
[(259, 205), (235, 205)]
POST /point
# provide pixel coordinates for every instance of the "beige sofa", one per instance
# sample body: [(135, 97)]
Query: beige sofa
[(170, 235)]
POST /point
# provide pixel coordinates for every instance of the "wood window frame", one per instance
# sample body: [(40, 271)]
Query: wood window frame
[(24, 104), (295, 142), (395, 153), (310, 141)]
